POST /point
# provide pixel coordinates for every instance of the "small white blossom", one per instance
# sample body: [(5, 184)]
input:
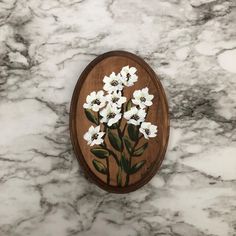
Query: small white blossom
[(128, 76), (142, 98), (95, 101), (110, 115), (112, 83), (135, 116), (148, 130), (94, 136), (116, 98)]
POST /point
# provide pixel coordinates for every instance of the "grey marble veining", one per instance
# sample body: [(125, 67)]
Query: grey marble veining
[(45, 45)]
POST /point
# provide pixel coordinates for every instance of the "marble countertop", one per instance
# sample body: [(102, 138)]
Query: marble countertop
[(45, 45)]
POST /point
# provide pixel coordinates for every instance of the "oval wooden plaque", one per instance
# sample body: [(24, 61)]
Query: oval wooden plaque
[(119, 122)]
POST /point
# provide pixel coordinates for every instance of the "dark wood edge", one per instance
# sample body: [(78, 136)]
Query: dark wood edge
[(73, 133)]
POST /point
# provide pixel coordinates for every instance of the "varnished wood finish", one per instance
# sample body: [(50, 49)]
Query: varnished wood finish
[(91, 80)]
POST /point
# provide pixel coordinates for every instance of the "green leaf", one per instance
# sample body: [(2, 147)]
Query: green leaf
[(133, 132), (114, 126), (100, 167), (90, 115), (127, 144), (124, 163), (115, 141), (140, 151), (128, 105), (100, 152), (136, 167)]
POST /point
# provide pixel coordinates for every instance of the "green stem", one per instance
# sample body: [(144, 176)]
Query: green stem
[(107, 159), (98, 118), (119, 184), (123, 131), (108, 172), (130, 159), (105, 131)]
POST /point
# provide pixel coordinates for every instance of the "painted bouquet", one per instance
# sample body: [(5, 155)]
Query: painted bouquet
[(106, 109)]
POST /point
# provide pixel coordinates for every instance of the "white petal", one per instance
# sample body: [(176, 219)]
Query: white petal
[(123, 75), (87, 136), (129, 84), (111, 122), (93, 95), (106, 79), (100, 93), (103, 112), (144, 125), (153, 128), (131, 122), (128, 114), (118, 94), (135, 122), (145, 90), (150, 97), (95, 107), (86, 106), (136, 101), (123, 99), (97, 129), (152, 135), (107, 87), (91, 128), (137, 93), (148, 103), (125, 68), (101, 134), (103, 120), (132, 70), (115, 109), (141, 113), (89, 99), (134, 78), (117, 118), (102, 104), (142, 105), (93, 142), (98, 141), (113, 75)]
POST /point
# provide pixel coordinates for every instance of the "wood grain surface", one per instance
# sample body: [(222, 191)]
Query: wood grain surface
[(92, 80)]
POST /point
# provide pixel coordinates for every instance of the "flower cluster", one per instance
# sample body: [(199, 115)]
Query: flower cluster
[(110, 106)]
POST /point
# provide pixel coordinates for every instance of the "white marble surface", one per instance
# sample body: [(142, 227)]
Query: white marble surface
[(45, 45)]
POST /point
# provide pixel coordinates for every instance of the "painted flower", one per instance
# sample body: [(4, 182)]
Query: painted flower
[(94, 136), (128, 75), (112, 83), (148, 130), (116, 98), (110, 115), (142, 98), (95, 101), (135, 116)]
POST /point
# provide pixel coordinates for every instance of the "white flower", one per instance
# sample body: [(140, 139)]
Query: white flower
[(148, 130), (135, 116), (95, 101), (112, 83), (142, 98), (128, 75), (116, 98), (94, 136), (110, 115)]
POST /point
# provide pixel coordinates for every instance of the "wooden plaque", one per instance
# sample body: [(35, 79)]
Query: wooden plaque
[(119, 122)]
